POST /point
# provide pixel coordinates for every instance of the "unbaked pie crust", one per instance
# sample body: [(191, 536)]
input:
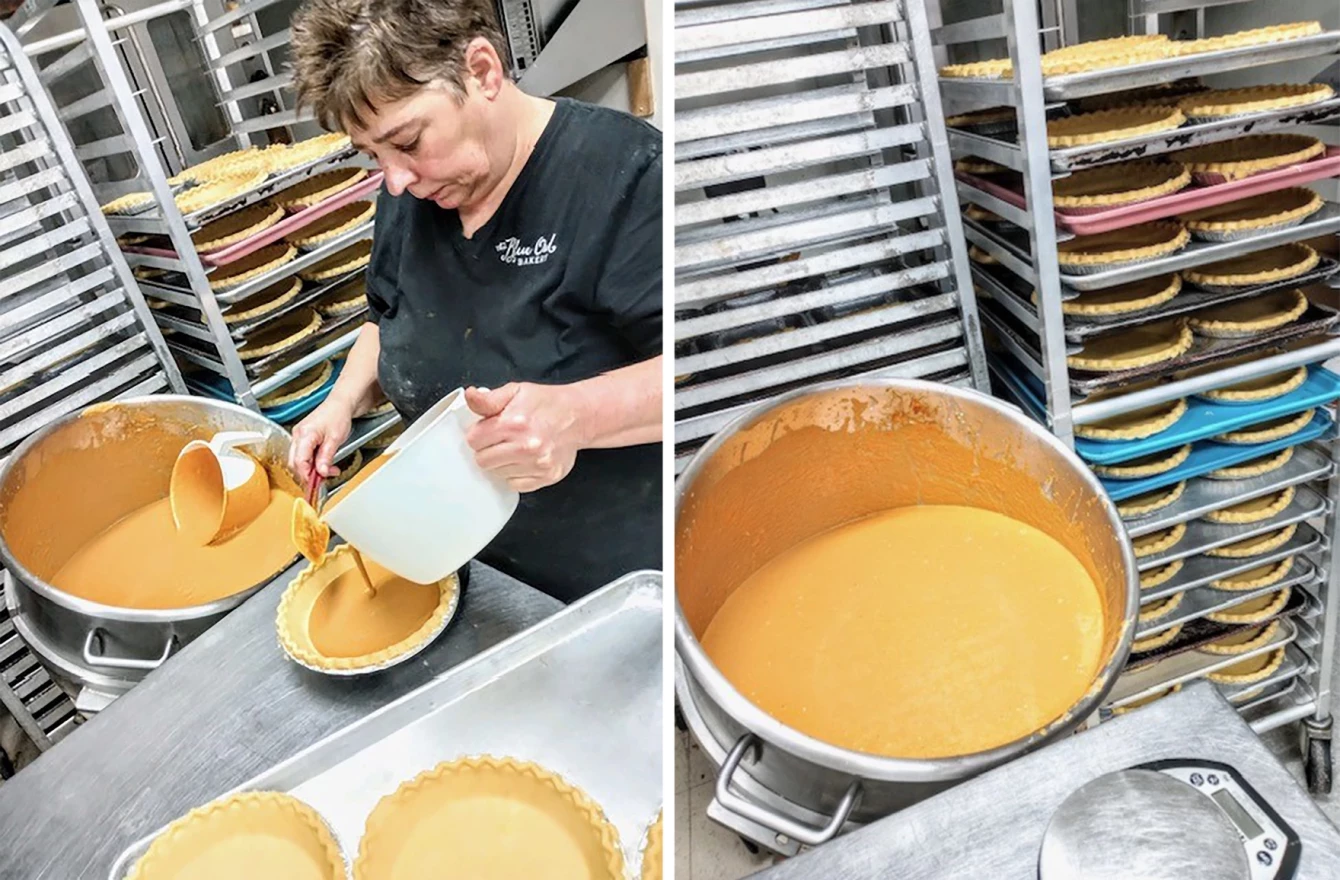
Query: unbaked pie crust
[(1150, 502), (1255, 509), (293, 619), (1255, 467), (346, 301), (1254, 99), (1157, 238), (1243, 641), (249, 834), (235, 227), (1255, 578), (333, 225), (1081, 57), (1156, 641), (1124, 298), (283, 333), (994, 68), (1270, 430), (293, 155), (1125, 183), (1136, 347), (1274, 33), (1257, 610), (1145, 466), (1157, 577), (127, 203), (246, 161), (1157, 542), (1256, 545), (343, 261), (263, 301), (1252, 669), (1137, 425), (980, 214), (217, 190), (981, 257), (1261, 388), (653, 854), (1266, 211), (1242, 157), (1249, 317), (1164, 94), (318, 188), (252, 266), (1105, 126), (1259, 267), (476, 812), (1160, 608), (298, 387), (1145, 701), (347, 471)]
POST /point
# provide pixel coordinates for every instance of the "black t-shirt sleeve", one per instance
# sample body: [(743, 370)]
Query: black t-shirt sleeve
[(384, 263), (628, 289)]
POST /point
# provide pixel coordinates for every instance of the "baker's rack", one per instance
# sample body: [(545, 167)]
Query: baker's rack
[(811, 238), (1030, 343)]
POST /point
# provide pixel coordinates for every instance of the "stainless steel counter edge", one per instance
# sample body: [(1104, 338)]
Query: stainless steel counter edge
[(229, 706), (992, 826)]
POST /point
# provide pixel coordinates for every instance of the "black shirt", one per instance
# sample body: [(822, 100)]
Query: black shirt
[(563, 283)]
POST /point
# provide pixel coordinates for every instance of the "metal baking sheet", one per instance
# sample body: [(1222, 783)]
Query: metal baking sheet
[(1200, 570), (580, 694), (1203, 495), (1206, 600), (1202, 535)]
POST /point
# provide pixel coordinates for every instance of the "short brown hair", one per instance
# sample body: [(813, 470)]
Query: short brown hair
[(349, 53)]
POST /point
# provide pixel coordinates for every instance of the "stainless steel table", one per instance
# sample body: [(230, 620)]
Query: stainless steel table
[(992, 826), (227, 707)]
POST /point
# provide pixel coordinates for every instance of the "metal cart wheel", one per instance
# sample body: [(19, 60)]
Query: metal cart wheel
[(1317, 755)]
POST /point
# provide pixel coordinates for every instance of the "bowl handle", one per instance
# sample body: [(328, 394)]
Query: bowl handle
[(101, 659), (754, 812)]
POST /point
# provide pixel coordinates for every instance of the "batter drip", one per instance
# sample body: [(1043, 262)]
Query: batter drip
[(918, 632)]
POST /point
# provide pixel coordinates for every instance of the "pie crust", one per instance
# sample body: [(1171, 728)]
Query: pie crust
[(281, 158), (1252, 669), (217, 191), (1242, 157), (1164, 94), (462, 808), (1156, 641), (1157, 238), (345, 301), (299, 386), (219, 839), (981, 257), (318, 188), (1124, 298), (347, 471), (296, 607), (1274, 33), (1257, 610), (1255, 509), (334, 224), (1135, 425), (1140, 346), (252, 266), (991, 118), (1243, 640), (380, 409), (1255, 546), (980, 214), (343, 261), (653, 854), (1249, 317), (1254, 467), (1108, 53), (1104, 126), (1157, 542), (246, 161), (1145, 701), (1125, 183), (264, 301), (995, 68), (1255, 578), (1157, 577), (974, 165), (129, 203), (283, 333), (1160, 608), (237, 226), (1259, 267), (1261, 388), (1149, 502), (1270, 210), (1270, 430), (1145, 466), (1255, 99)]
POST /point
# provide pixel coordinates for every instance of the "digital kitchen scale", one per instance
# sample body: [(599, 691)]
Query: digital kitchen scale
[(1181, 819)]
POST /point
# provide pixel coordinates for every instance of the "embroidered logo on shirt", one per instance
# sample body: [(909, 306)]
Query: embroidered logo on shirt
[(512, 251)]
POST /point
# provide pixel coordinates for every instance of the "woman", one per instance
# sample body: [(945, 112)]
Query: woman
[(518, 254)]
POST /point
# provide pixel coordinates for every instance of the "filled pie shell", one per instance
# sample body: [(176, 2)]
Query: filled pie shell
[(236, 226), (1259, 267), (318, 188), (1257, 610), (1125, 183), (342, 261), (299, 386), (1146, 465), (252, 266), (1124, 298), (1249, 317), (348, 299), (1267, 211), (1147, 241), (1255, 578), (1243, 640), (264, 301), (494, 819), (282, 333), (1254, 668), (1141, 346), (333, 225)]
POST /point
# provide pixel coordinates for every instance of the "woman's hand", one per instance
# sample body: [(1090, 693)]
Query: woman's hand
[(318, 437), (529, 434)]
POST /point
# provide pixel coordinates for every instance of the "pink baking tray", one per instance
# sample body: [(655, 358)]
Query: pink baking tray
[(1189, 199), (291, 223)]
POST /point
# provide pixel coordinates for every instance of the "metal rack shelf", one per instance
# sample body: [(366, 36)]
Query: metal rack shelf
[(1198, 571), (1200, 601), (1202, 536)]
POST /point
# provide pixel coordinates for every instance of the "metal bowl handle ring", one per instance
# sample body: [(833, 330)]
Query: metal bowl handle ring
[(100, 659), (754, 812)]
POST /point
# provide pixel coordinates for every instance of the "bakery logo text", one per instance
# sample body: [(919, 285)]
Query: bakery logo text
[(511, 250)]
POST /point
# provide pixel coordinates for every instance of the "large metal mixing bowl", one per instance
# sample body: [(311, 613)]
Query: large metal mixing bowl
[(822, 456), (107, 460)]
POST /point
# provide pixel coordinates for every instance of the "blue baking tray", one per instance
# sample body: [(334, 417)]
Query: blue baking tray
[(1208, 456), (214, 385), (1203, 418)]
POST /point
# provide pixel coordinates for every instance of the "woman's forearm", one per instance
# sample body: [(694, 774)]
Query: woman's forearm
[(622, 407), (357, 386)]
